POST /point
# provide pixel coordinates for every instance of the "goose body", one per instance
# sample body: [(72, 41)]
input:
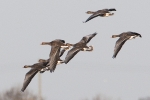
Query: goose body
[(80, 46), (101, 13), (54, 57), (35, 68)]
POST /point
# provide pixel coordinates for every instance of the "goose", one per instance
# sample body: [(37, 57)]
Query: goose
[(54, 57), (35, 68), (101, 13), (80, 46), (123, 38)]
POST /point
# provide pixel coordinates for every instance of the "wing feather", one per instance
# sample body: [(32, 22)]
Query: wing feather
[(28, 78), (89, 37), (62, 52), (119, 43), (71, 54), (54, 56), (94, 15)]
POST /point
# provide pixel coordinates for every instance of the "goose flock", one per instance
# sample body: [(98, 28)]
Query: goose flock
[(58, 47)]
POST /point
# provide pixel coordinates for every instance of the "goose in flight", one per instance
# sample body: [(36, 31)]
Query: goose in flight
[(123, 38), (35, 68), (80, 46), (54, 57), (101, 13)]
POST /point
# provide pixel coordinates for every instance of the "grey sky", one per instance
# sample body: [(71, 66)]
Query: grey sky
[(26, 23)]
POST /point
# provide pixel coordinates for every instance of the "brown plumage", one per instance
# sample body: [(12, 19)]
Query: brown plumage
[(56, 45), (123, 38), (80, 46), (35, 68), (102, 13)]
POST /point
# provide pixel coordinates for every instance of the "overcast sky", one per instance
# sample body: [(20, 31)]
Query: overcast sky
[(24, 24)]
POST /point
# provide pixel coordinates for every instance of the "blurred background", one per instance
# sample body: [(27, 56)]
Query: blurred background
[(89, 75)]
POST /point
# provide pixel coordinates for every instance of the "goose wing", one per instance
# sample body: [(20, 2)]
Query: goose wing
[(95, 15), (62, 52), (28, 77), (71, 54), (119, 43), (88, 37), (54, 56)]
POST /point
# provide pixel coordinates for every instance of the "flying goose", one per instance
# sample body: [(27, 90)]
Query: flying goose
[(123, 38), (54, 57), (35, 68), (80, 46), (101, 13)]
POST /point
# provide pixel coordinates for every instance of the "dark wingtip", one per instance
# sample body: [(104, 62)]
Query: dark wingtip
[(95, 33), (65, 62), (22, 90), (113, 57), (84, 21), (112, 9), (140, 36), (51, 71)]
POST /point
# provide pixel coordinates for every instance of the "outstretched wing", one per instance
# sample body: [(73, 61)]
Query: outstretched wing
[(28, 78), (119, 43), (89, 37), (71, 54), (94, 15), (54, 56)]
